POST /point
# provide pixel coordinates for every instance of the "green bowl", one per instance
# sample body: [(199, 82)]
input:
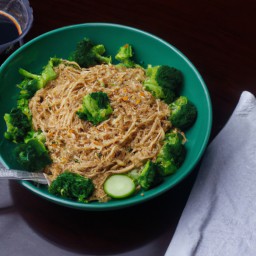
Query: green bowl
[(149, 49)]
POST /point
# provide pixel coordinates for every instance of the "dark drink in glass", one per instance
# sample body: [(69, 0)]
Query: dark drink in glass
[(16, 17)]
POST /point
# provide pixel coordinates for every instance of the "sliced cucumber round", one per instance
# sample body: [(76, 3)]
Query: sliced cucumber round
[(119, 186)]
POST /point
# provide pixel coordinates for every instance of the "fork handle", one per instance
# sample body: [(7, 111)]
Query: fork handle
[(23, 175)]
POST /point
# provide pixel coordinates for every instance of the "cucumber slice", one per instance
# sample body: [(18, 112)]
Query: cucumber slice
[(119, 186)]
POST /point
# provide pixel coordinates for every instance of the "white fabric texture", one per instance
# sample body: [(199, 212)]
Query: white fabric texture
[(219, 218)]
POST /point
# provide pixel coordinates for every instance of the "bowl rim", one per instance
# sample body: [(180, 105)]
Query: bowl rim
[(116, 204)]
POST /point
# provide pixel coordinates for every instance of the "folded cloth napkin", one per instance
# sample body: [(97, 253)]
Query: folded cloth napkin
[(219, 218)]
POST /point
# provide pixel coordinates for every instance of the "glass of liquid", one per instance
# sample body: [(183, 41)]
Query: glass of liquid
[(16, 17)]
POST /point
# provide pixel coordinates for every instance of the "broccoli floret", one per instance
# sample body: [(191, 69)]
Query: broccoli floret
[(183, 113), (125, 55), (23, 105), (33, 82), (96, 108), (32, 155), (88, 54), (18, 125), (172, 153), (163, 82), (73, 186), (150, 176), (28, 87), (35, 135)]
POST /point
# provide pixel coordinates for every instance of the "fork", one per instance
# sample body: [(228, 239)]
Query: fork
[(12, 174)]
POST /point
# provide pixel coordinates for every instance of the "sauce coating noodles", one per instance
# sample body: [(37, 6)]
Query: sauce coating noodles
[(133, 134)]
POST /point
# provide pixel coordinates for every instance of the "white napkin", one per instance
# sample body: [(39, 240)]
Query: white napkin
[(219, 218)]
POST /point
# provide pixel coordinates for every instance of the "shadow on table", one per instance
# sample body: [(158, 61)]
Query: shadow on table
[(99, 233)]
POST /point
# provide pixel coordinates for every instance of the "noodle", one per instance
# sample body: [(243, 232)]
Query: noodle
[(132, 135)]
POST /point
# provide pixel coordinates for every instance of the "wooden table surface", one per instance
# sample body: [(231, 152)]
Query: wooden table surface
[(219, 38)]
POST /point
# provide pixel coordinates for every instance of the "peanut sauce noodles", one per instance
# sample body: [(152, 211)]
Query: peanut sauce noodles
[(132, 135)]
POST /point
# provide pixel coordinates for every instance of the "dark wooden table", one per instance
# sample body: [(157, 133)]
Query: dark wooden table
[(219, 38)]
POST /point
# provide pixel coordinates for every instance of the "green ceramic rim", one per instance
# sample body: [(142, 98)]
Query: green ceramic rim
[(171, 181)]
